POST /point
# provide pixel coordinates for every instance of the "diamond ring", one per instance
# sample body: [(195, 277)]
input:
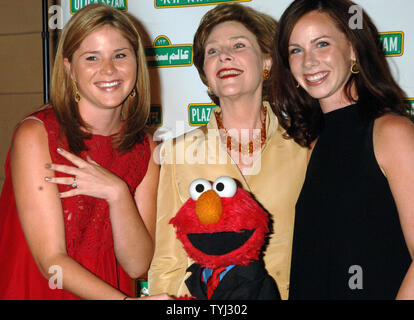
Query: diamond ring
[(74, 184)]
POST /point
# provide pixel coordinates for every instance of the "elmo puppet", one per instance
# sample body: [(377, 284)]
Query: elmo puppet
[(223, 229)]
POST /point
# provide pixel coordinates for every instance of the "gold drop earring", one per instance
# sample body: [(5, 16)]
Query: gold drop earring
[(209, 89), (76, 95), (266, 74), (354, 67), (133, 93)]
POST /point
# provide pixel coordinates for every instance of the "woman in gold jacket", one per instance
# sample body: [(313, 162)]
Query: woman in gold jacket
[(242, 140)]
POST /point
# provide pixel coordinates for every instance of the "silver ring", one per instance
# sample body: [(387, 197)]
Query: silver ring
[(74, 184)]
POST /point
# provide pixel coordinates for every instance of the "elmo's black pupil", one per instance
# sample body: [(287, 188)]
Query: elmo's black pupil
[(199, 188), (220, 186)]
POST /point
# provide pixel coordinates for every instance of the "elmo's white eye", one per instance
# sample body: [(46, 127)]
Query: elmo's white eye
[(197, 187), (225, 187)]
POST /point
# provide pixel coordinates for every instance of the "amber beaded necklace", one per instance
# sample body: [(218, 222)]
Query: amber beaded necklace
[(238, 145)]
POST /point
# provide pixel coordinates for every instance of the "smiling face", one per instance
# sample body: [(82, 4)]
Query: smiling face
[(233, 61), (320, 58), (104, 68)]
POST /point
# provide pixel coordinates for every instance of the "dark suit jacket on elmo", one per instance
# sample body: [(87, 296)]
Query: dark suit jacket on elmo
[(250, 282)]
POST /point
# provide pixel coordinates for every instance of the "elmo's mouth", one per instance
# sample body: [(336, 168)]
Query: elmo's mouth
[(219, 243)]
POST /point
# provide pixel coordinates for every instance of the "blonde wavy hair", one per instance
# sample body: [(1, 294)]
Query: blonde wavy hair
[(135, 109)]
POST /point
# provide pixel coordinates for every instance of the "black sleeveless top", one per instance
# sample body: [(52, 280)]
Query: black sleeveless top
[(348, 242)]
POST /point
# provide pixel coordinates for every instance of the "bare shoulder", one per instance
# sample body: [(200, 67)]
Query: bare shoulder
[(30, 137), (394, 128), (154, 149), (392, 123), (29, 131), (153, 144), (393, 139)]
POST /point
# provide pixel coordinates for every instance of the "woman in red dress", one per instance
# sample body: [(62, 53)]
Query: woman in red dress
[(77, 210)]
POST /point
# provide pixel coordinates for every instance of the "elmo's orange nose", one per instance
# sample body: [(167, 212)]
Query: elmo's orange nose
[(208, 207)]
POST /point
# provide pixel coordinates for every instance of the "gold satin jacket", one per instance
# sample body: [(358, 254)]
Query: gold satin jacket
[(275, 180)]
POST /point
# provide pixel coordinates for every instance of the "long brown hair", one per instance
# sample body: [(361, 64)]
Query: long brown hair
[(135, 109), (376, 88), (261, 25)]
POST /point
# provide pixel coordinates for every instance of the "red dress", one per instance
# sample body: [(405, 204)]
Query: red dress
[(87, 223)]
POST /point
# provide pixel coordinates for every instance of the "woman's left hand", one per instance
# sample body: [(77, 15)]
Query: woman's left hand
[(89, 178)]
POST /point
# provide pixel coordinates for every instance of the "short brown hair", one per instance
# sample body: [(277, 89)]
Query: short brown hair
[(135, 109), (261, 25)]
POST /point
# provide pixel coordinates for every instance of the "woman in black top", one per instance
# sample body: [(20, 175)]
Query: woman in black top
[(334, 92)]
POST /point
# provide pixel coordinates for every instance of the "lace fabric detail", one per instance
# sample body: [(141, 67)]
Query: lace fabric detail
[(87, 220)]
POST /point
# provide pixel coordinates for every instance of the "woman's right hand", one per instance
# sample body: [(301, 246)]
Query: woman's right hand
[(89, 179)]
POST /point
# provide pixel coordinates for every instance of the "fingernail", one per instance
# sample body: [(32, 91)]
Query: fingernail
[(59, 150), (48, 179), (59, 195), (48, 165)]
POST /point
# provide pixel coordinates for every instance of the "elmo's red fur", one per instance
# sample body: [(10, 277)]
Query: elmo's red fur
[(240, 212)]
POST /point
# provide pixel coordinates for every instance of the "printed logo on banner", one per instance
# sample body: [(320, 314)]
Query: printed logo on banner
[(164, 54), (393, 43), (155, 116), (76, 5), (199, 113), (189, 3), (410, 106)]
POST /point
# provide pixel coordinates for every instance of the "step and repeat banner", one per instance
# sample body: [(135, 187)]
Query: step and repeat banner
[(179, 98)]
